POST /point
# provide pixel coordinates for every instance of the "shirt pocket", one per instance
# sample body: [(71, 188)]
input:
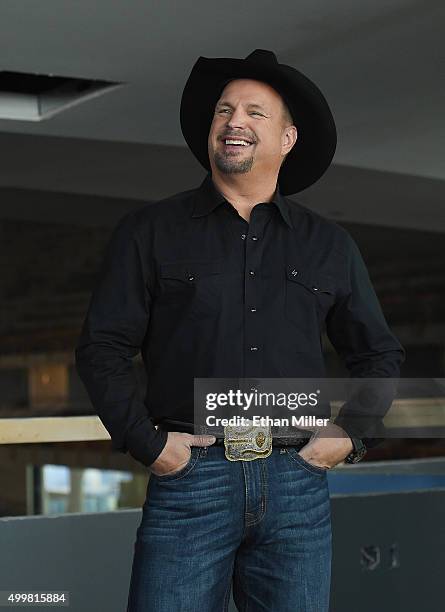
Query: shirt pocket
[(193, 286), (308, 297)]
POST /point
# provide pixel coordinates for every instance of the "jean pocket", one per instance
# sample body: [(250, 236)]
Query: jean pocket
[(310, 467), (195, 453)]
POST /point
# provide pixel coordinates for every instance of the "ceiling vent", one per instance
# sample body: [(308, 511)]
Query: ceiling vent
[(28, 96)]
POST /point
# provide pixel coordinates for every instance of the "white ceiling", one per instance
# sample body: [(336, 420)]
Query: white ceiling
[(377, 62)]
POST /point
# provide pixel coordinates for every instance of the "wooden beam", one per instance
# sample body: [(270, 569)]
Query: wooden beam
[(52, 429)]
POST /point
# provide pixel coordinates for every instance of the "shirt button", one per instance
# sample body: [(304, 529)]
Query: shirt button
[(252, 272), (191, 278), (243, 236), (253, 310), (253, 348), (254, 238), (294, 272), (315, 288)]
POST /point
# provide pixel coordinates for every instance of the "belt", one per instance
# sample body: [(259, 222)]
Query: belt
[(241, 443)]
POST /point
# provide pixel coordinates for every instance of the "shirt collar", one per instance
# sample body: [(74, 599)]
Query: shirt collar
[(208, 198)]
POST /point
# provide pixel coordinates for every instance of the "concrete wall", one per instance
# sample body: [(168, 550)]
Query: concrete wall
[(90, 555)]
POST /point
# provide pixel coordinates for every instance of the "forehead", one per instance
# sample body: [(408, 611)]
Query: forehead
[(250, 91)]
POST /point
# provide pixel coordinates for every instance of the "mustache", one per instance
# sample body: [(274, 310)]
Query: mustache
[(238, 137)]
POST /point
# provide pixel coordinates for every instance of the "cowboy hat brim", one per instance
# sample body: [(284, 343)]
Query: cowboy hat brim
[(316, 133)]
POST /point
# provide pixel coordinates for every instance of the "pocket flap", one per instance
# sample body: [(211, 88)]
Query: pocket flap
[(190, 270), (323, 284), (315, 283)]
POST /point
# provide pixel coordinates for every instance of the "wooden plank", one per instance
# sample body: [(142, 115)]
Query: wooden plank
[(52, 429)]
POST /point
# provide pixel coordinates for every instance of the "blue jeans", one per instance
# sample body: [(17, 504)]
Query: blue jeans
[(265, 523)]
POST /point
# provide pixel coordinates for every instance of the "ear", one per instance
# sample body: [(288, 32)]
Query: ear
[(290, 136)]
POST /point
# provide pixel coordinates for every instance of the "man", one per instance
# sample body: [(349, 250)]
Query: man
[(233, 280)]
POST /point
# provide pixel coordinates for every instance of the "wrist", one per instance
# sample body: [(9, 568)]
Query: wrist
[(358, 451)]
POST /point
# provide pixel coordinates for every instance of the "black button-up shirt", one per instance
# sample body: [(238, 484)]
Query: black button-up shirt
[(203, 293)]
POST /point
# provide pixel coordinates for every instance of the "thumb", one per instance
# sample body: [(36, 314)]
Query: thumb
[(202, 440)]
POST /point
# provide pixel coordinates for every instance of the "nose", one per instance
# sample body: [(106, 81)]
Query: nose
[(237, 119)]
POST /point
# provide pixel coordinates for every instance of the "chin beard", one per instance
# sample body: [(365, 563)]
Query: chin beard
[(229, 165)]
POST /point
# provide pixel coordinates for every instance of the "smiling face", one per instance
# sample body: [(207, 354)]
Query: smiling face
[(251, 129)]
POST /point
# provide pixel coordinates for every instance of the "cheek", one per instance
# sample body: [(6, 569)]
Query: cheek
[(272, 146), (212, 131), (215, 130), (268, 147)]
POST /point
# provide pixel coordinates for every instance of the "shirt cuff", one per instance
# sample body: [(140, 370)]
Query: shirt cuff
[(371, 434), (146, 443)]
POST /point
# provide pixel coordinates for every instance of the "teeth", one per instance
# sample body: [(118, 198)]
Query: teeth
[(238, 142)]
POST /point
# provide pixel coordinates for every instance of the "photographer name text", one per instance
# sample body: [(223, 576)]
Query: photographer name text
[(264, 421)]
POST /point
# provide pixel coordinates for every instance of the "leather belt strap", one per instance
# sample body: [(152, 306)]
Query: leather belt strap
[(279, 441)]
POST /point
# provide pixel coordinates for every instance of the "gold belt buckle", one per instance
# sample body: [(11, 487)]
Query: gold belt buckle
[(247, 442)]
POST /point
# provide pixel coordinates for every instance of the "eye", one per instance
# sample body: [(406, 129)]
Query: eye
[(223, 110), (256, 113)]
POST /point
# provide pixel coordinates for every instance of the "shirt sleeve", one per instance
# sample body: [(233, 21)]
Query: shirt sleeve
[(111, 335), (359, 333)]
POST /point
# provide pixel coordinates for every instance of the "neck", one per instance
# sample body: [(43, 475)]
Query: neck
[(245, 190)]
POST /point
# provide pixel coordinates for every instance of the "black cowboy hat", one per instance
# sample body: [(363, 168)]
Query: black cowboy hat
[(314, 149)]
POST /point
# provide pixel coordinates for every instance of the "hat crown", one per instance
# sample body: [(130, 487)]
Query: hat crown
[(262, 56)]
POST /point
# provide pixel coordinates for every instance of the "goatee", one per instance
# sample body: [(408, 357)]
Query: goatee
[(229, 165)]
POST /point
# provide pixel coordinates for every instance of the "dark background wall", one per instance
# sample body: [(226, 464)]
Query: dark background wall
[(90, 555)]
